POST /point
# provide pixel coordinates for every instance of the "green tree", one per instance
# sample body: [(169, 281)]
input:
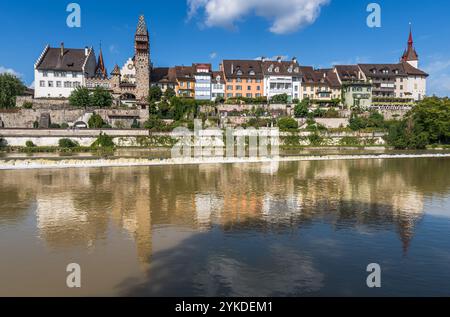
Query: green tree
[(101, 98), (80, 97), (280, 99), (10, 88), (96, 122), (155, 94), (287, 124), (301, 109), (169, 93), (68, 144), (104, 141)]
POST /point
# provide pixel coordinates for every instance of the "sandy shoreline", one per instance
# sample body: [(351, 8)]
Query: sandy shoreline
[(29, 164)]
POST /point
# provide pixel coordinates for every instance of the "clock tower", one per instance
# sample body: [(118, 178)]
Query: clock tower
[(142, 60)]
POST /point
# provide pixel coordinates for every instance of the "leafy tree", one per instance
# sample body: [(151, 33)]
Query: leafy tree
[(68, 144), (101, 98), (169, 93), (301, 109), (155, 94), (104, 141), (428, 123), (96, 122), (80, 97), (280, 99), (10, 88), (287, 124), (155, 124)]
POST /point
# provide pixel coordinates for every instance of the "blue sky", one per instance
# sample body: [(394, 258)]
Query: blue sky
[(318, 32)]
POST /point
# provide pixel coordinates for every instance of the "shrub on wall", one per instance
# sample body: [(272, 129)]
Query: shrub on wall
[(104, 141), (68, 144), (30, 144)]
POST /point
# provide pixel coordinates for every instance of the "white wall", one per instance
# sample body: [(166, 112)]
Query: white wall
[(72, 79), (417, 86), (294, 91)]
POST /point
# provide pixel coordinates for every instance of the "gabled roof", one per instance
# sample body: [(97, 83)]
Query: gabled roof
[(63, 59), (320, 76), (100, 70), (281, 68), (162, 75), (382, 70), (215, 76), (411, 70), (348, 72), (243, 69), (185, 73), (410, 54)]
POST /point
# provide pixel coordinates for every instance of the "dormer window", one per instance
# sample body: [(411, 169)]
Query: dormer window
[(290, 69), (270, 69), (239, 72), (252, 73), (297, 70), (277, 69), (218, 78)]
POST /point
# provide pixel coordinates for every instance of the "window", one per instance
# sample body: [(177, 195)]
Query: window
[(249, 95), (258, 88), (258, 81), (74, 75), (58, 84), (249, 80), (258, 95), (238, 87), (45, 74), (252, 73), (63, 74), (249, 87), (229, 87), (239, 80), (50, 84), (401, 87), (229, 95), (67, 84), (238, 95), (42, 83)]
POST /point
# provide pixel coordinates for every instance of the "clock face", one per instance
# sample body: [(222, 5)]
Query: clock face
[(130, 66)]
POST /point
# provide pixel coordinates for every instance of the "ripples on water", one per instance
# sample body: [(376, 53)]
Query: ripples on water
[(280, 229)]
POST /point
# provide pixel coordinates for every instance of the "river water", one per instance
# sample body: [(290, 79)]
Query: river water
[(271, 229)]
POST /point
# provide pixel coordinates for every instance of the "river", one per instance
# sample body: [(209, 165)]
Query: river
[(265, 229)]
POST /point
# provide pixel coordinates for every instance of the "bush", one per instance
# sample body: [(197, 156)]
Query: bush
[(64, 126), (101, 98), (3, 143), (96, 122), (136, 124), (27, 105), (350, 141), (80, 97), (30, 144), (155, 94), (287, 124), (315, 139), (68, 144), (54, 126), (280, 99), (155, 124), (104, 141), (301, 109)]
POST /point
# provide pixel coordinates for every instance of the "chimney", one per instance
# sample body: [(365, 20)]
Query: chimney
[(279, 59), (62, 49), (294, 60), (86, 51), (263, 59), (232, 68)]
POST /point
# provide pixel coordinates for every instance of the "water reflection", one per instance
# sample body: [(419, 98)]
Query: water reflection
[(257, 229)]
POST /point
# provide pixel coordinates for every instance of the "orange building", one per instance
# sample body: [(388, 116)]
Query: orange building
[(243, 78)]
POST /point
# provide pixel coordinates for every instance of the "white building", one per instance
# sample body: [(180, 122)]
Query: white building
[(282, 77), (59, 71), (128, 72), (217, 86)]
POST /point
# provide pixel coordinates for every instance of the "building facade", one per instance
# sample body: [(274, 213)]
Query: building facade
[(281, 77)]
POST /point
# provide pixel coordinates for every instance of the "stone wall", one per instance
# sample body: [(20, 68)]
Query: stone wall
[(25, 118)]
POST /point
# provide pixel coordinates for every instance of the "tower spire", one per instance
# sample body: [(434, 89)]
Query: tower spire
[(101, 69), (410, 55)]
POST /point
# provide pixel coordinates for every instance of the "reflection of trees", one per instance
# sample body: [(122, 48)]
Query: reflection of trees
[(77, 207)]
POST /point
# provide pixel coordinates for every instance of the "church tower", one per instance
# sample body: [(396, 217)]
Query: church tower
[(142, 60), (410, 56)]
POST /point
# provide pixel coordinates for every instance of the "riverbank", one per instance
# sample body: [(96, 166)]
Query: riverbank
[(48, 163)]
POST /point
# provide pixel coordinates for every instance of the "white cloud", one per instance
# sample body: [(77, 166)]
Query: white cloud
[(439, 80), (4, 70), (286, 16)]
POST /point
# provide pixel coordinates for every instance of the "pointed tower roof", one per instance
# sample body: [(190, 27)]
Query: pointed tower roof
[(410, 53), (116, 71), (142, 29), (101, 69)]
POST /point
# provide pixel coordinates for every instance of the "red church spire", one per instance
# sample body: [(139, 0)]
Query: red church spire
[(101, 69), (410, 53), (410, 40)]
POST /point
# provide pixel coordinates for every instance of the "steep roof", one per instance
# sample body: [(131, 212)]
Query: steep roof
[(63, 59), (382, 70), (184, 72), (410, 54), (242, 69), (348, 72), (215, 76), (142, 29), (411, 70), (282, 68), (100, 70), (162, 75), (327, 76)]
